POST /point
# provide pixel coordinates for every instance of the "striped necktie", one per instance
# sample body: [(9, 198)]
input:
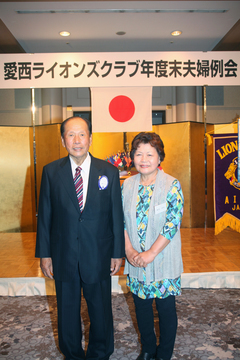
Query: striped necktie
[(78, 182)]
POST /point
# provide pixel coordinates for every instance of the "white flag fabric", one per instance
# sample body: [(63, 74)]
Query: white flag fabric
[(121, 109)]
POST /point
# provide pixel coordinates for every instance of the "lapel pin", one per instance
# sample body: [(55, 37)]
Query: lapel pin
[(102, 182)]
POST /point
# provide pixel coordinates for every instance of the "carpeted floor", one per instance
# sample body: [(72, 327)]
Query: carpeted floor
[(209, 326)]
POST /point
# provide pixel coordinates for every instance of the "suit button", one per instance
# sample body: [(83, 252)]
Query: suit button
[(80, 220)]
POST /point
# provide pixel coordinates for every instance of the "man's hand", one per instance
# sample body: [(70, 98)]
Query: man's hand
[(46, 267), (115, 266)]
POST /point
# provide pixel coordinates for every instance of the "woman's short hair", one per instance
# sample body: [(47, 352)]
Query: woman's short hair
[(148, 138)]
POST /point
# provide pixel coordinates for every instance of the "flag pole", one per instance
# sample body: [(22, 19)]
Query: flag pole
[(205, 146), (125, 147), (33, 114)]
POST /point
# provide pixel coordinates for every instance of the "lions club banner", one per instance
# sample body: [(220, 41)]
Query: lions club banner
[(121, 109), (226, 183)]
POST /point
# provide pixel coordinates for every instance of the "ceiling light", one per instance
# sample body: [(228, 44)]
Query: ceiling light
[(176, 33), (103, 11), (64, 33)]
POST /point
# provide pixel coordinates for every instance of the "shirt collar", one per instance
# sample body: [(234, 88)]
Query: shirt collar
[(85, 165)]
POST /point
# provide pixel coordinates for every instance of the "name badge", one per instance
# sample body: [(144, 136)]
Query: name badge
[(102, 182), (160, 208)]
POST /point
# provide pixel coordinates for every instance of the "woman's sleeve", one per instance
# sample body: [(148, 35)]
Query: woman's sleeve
[(174, 213)]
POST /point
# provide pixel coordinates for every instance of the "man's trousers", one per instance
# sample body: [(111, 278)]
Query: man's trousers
[(98, 298)]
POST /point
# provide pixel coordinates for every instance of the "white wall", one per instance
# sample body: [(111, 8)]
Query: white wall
[(226, 111)]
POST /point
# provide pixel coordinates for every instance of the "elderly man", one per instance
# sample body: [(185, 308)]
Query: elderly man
[(80, 240)]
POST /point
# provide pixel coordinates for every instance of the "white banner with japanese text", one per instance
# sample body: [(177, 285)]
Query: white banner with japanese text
[(112, 69)]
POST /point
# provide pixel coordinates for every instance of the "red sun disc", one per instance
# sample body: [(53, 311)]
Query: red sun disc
[(121, 108)]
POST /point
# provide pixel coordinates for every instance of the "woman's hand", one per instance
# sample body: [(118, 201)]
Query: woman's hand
[(144, 258), (131, 254)]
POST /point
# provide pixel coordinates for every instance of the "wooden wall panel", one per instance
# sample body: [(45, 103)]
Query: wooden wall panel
[(15, 180)]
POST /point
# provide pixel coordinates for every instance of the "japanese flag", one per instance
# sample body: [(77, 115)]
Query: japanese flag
[(121, 109)]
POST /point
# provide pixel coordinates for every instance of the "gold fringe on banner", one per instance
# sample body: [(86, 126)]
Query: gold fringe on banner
[(225, 221)]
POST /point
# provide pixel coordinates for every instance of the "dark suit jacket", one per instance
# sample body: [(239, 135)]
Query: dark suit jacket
[(69, 237)]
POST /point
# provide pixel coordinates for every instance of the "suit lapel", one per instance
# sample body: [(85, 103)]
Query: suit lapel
[(92, 181), (65, 173)]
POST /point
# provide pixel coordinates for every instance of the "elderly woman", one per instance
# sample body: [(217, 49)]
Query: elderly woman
[(153, 208)]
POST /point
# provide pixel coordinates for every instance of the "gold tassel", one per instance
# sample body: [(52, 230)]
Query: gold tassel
[(225, 221), (209, 139)]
